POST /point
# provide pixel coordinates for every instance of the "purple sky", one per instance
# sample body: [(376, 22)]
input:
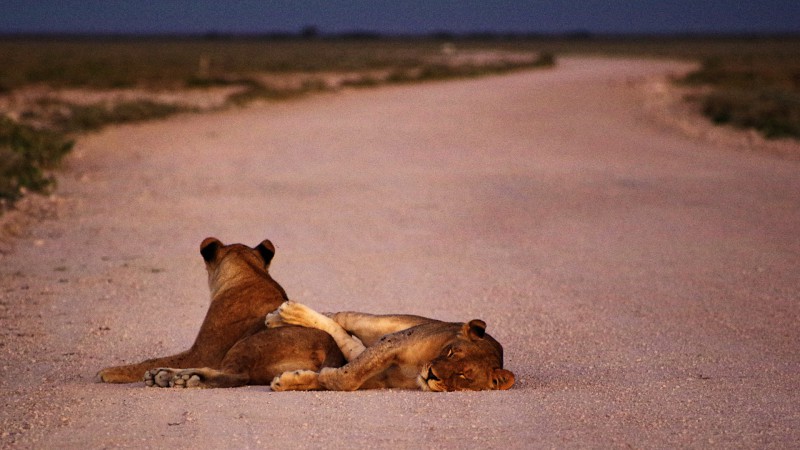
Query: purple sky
[(399, 16)]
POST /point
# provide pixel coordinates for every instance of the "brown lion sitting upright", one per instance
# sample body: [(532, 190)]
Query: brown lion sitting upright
[(233, 346)]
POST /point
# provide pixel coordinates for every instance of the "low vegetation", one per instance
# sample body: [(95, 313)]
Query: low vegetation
[(69, 118), (756, 91), (41, 134), (105, 63), (746, 82), (25, 156)]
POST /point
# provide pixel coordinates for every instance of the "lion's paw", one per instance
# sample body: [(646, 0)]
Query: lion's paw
[(296, 314), (274, 320), (159, 377), (298, 380), (175, 378), (187, 379)]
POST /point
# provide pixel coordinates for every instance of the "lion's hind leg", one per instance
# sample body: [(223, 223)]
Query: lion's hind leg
[(193, 378), (297, 380)]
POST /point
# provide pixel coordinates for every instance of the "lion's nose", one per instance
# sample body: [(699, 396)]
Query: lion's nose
[(431, 376)]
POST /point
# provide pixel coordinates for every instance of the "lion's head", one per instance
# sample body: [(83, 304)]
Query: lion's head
[(471, 361), (233, 264)]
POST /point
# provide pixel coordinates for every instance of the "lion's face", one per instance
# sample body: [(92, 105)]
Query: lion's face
[(472, 361)]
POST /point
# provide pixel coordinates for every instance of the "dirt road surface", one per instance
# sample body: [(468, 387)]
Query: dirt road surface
[(644, 283)]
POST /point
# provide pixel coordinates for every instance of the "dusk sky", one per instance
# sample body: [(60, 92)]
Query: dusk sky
[(400, 16)]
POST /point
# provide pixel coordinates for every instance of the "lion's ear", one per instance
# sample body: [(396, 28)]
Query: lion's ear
[(267, 251), (209, 248), (502, 379), (475, 329)]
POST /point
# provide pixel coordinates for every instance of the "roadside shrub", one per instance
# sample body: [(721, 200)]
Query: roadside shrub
[(94, 117), (775, 113), (25, 155), (545, 59), (751, 91), (71, 118), (28, 152)]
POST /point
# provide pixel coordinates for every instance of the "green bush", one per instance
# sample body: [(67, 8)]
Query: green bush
[(25, 155), (775, 113), (259, 91), (761, 92), (26, 152), (65, 117), (545, 59), (94, 117)]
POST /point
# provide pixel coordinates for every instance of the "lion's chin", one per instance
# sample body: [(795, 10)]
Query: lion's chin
[(427, 385), (423, 383)]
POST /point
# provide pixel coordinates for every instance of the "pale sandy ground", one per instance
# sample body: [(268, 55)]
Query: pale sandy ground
[(645, 283)]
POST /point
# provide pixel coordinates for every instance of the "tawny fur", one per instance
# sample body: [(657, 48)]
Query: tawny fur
[(233, 346)]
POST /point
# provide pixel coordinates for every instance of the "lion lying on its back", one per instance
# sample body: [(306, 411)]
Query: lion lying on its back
[(397, 351)]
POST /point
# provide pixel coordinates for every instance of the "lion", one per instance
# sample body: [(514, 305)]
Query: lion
[(234, 347), (397, 351)]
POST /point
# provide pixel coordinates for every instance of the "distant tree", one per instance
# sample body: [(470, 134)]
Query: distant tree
[(309, 32)]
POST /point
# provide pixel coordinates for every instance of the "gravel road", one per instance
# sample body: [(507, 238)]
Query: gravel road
[(645, 284)]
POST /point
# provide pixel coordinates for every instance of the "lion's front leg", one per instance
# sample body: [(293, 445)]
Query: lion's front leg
[(370, 328), (307, 380), (298, 380), (339, 380), (294, 313), (363, 371)]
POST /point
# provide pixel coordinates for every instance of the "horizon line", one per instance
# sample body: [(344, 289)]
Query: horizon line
[(313, 33)]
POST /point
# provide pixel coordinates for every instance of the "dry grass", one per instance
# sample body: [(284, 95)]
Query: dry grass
[(760, 91), (25, 155), (748, 82), (170, 63), (754, 82), (151, 65)]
